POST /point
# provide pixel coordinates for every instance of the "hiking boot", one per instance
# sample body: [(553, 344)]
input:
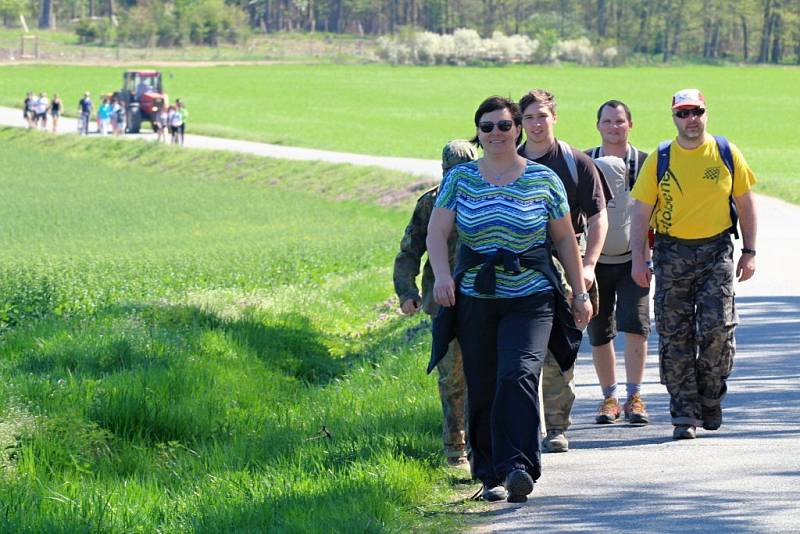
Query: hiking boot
[(556, 441), (635, 411), (518, 484), (684, 432), (609, 411), (493, 492), (712, 417), (458, 462)]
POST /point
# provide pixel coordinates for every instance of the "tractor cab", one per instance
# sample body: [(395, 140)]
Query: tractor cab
[(140, 82)]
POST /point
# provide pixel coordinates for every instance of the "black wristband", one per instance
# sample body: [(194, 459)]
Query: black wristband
[(750, 251)]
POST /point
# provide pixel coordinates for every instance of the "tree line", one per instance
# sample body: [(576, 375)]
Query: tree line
[(757, 31)]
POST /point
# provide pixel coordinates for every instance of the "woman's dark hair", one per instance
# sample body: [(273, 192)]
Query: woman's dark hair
[(493, 103)]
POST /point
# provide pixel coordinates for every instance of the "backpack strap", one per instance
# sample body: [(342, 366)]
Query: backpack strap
[(632, 164), (663, 159), (726, 154), (569, 159)]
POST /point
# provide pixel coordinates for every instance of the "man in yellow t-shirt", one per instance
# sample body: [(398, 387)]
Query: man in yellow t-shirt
[(689, 208)]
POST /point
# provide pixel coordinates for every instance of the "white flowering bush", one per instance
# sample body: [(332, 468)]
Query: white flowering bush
[(609, 56), (463, 47), (468, 46), (425, 47), (578, 50)]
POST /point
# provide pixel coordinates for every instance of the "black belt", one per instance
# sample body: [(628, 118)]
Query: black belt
[(692, 242)]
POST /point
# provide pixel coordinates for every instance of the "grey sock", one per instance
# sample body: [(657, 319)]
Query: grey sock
[(633, 389), (610, 391)]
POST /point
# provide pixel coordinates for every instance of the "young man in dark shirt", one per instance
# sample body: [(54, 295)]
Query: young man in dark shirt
[(587, 195)]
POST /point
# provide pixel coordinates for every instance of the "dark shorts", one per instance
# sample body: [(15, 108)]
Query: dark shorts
[(40, 116), (620, 294)]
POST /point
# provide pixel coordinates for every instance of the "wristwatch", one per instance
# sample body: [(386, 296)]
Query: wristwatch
[(583, 297), (750, 251)]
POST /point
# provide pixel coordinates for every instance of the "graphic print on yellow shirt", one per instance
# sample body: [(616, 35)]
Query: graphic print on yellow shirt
[(692, 199)]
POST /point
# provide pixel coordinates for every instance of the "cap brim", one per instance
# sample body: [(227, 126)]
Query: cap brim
[(690, 104)]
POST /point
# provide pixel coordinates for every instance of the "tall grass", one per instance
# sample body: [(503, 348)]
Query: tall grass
[(190, 352)]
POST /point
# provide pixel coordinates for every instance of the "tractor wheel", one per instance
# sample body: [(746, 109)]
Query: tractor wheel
[(134, 119)]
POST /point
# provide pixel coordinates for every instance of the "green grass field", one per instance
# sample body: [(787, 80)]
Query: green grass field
[(173, 340), (408, 111)]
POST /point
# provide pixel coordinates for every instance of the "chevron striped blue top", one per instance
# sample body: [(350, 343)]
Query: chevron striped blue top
[(513, 216)]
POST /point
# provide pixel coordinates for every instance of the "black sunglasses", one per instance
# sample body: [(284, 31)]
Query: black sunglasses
[(503, 126), (683, 113)]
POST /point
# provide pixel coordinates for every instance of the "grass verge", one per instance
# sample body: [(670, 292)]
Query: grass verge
[(188, 350)]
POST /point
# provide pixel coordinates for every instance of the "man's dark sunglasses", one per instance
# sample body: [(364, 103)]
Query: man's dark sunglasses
[(503, 126), (683, 113)]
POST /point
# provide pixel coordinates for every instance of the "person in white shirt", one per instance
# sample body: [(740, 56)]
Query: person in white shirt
[(40, 107)]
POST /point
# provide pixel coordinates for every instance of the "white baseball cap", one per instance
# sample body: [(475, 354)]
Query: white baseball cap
[(688, 98)]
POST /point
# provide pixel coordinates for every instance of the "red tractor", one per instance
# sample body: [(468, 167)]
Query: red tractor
[(144, 97)]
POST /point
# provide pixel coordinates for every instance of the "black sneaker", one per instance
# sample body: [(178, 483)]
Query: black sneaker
[(712, 417), (684, 432), (493, 491), (519, 484)]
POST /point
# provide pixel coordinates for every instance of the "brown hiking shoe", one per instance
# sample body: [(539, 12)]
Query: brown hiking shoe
[(635, 411), (555, 441), (609, 411), (459, 462)]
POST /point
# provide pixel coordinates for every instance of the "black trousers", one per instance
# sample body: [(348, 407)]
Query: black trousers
[(503, 345)]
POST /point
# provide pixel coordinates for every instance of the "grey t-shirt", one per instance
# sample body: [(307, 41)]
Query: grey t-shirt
[(620, 175)]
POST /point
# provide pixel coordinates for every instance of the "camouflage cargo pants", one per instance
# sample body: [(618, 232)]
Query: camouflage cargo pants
[(558, 393), (453, 394), (695, 319), (558, 388)]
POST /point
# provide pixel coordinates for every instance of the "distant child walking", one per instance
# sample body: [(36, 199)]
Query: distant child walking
[(175, 125), (162, 122), (55, 110), (104, 117)]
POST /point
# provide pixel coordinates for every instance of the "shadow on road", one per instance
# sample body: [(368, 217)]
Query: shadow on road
[(621, 478)]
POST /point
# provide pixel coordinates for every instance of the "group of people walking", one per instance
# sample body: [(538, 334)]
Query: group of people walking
[(111, 116), (36, 109), (535, 242)]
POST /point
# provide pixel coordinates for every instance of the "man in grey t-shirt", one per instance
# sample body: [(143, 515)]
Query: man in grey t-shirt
[(619, 162)]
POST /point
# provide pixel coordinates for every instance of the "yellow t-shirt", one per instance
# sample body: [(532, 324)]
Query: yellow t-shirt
[(692, 198)]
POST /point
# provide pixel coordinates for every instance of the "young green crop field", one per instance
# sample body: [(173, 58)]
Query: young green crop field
[(203, 342), (413, 111)]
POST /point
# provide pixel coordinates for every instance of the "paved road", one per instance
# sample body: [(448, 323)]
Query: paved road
[(419, 167), (743, 478)]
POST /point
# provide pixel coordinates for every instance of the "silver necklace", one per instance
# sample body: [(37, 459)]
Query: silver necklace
[(499, 177)]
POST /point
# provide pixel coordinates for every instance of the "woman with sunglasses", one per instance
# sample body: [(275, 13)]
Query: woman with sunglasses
[(504, 297)]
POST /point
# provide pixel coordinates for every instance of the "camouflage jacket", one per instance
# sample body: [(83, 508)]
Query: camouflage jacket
[(412, 248)]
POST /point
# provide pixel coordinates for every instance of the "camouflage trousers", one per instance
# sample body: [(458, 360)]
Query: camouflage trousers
[(558, 387), (558, 393), (695, 318), (453, 394)]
